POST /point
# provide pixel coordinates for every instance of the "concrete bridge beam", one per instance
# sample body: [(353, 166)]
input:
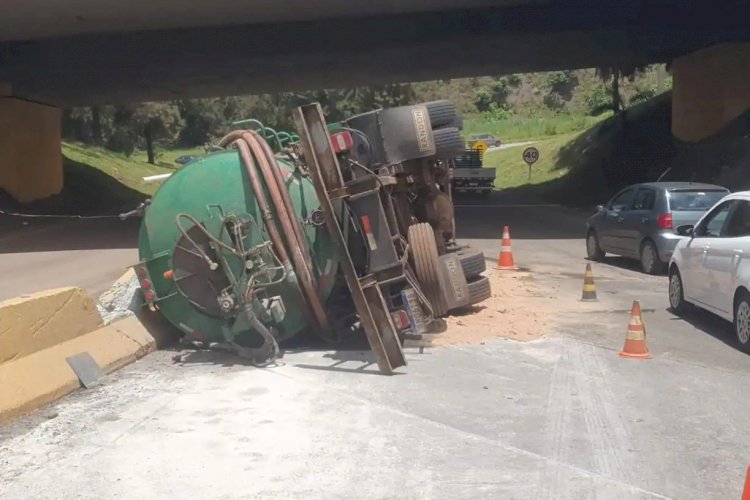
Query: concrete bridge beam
[(711, 87), (30, 149)]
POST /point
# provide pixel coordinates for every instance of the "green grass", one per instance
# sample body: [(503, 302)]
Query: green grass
[(519, 128), (513, 172), (128, 170)]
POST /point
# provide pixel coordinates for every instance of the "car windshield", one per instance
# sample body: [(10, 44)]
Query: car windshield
[(694, 199)]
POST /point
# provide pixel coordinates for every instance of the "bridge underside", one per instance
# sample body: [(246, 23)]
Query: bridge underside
[(257, 58)]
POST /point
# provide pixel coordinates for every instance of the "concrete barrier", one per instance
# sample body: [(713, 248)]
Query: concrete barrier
[(39, 332), (35, 322)]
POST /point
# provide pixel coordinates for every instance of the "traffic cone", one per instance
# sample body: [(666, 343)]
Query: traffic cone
[(746, 489), (505, 259), (589, 288), (635, 341)]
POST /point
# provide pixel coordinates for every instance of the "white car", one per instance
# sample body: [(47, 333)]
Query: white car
[(710, 267)]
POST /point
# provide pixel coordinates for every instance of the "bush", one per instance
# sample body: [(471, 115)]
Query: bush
[(642, 94), (598, 100)]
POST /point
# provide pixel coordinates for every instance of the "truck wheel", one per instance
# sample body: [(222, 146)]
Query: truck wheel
[(472, 261), (479, 289), (448, 142), (424, 254), (441, 113)]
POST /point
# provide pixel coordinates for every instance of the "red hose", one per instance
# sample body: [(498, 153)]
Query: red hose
[(247, 143)]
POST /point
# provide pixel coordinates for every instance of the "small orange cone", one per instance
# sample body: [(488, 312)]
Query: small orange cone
[(589, 287), (635, 341), (505, 259), (746, 490)]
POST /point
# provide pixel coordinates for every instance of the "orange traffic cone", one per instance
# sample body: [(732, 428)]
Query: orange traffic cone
[(505, 259), (635, 341), (746, 489)]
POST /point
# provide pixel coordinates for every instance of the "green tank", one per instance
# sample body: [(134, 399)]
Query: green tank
[(188, 272)]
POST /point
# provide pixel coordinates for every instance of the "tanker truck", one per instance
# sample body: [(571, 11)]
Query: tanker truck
[(342, 228)]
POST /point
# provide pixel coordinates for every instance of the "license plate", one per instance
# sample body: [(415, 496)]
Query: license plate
[(473, 184)]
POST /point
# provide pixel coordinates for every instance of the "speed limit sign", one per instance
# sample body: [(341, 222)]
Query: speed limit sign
[(530, 155)]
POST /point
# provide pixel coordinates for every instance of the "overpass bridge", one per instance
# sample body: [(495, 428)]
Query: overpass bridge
[(55, 54)]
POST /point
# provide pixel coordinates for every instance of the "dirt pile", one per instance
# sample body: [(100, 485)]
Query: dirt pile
[(515, 311)]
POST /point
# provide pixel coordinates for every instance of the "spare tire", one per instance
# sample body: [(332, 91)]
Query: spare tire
[(441, 113), (479, 289), (472, 261), (448, 142)]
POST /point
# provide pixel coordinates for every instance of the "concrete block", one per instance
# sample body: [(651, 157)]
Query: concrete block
[(41, 377), (44, 319)]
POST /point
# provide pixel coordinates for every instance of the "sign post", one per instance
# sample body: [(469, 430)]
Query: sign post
[(530, 156)]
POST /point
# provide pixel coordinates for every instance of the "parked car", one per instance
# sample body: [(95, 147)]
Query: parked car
[(710, 267), (185, 159), (489, 139), (639, 221)]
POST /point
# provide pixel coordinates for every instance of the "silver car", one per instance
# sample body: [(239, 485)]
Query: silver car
[(639, 221)]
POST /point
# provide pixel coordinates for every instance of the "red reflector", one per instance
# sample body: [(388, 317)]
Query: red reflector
[(341, 141), (141, 272), (145, 284), (400, 320), (367, 228), (149, 295), (665, 221)]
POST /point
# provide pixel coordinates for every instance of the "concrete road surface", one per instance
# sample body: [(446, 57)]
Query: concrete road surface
[(562, 417), (38, 254)]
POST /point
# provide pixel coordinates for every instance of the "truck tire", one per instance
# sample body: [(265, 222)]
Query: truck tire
[(479, 289), (441, 113), (424, 254), (472, 261), (448, 142)]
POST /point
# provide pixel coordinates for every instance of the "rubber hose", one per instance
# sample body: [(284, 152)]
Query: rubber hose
[(260, 196), (284, 190), (309, 285)]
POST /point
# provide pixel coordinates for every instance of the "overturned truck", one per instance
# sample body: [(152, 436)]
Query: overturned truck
[(348, 227)]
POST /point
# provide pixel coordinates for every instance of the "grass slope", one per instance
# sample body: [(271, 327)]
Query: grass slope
[(513, 172)]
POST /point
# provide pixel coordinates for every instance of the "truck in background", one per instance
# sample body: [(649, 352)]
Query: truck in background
[(468, 175)]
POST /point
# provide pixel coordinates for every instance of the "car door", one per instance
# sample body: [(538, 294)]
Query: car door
[(637, 220), (611, 230), (699, 271), (723, 258)]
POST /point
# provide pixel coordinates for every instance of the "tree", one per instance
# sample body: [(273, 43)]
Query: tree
[(613, 74), (154, 121)]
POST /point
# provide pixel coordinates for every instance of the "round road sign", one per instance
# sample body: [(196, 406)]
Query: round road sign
[(480, 146), (530, 155)]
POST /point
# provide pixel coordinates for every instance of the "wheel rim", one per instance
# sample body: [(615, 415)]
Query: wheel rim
[(675, 291), (591, 245), (743, 322), (648, 258)]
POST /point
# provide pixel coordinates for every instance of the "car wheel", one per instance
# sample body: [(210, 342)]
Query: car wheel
[(650, 259), (742, 320), (497, 144), (593, 250), (677, 293)]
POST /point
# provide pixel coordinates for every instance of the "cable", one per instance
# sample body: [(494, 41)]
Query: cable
[(53, 216)]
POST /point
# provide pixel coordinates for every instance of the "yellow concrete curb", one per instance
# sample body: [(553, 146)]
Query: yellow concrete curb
[(41, 320), (43, 376)]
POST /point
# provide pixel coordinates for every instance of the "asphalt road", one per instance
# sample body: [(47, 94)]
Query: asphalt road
[(39, 254), (562, 417)]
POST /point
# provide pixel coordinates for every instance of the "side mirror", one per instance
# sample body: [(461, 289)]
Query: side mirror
[(599, 208), (685, 230)]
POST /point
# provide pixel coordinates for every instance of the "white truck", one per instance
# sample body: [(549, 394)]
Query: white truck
[(469, 176)]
